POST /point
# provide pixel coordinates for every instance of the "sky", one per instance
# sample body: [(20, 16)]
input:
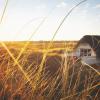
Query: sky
[(39, 19)]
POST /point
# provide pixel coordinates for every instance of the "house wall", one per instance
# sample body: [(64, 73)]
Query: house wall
[(85, 46), (87, 59)]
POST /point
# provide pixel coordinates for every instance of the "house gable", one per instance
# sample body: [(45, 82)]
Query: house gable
[(89, 42), (85, 46)]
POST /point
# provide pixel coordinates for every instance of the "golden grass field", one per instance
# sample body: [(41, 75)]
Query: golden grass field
[(39, 73)]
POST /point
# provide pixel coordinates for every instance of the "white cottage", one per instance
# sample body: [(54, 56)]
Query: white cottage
[(88, 49)]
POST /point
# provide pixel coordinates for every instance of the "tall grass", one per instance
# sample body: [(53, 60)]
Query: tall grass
[(28, 75), (61, 79)]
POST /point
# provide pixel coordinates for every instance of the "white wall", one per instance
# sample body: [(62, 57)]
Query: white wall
[(85, 46), (89, 60)]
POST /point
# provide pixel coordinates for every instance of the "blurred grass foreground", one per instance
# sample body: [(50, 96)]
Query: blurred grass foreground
[(44, 71), (58, 77)]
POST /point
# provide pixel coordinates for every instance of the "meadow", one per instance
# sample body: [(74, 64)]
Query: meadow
[(41, 73)]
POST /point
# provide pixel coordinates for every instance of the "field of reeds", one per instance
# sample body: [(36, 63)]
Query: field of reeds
[(42, 71), (40, 75)]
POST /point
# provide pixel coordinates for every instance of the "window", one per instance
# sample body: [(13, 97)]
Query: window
[(85, 52)]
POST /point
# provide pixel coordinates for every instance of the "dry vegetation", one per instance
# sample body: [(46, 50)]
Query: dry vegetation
[(57, 78), (40, 71)]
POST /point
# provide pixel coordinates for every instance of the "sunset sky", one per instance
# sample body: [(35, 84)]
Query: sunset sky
[(22, 18)]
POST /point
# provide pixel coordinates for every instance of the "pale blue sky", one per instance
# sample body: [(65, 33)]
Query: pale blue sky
[(23, 17)]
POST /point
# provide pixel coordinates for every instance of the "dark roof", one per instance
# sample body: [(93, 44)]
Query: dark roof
[(93, 41)]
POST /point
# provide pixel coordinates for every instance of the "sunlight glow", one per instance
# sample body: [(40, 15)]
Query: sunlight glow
[(82, 21)]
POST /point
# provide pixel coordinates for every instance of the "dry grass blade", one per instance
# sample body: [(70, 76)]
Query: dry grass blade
[(39, 73), (81, 92), (92, 68), (51, 42)]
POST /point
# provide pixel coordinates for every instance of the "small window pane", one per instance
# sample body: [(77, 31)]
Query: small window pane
[(85, 52)]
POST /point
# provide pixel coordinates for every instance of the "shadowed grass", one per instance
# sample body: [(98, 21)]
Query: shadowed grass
[(41, 76)]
